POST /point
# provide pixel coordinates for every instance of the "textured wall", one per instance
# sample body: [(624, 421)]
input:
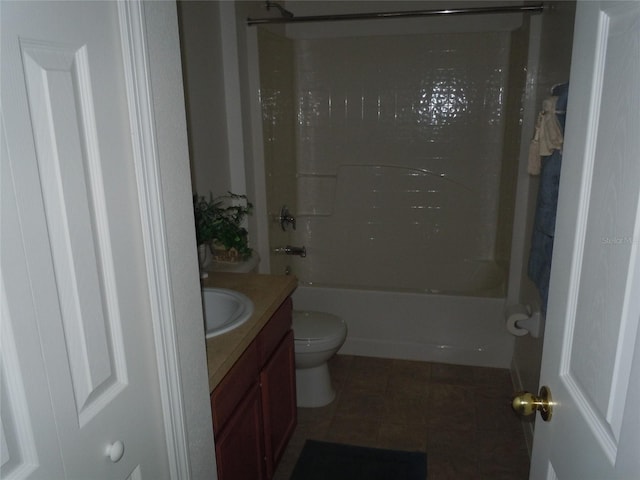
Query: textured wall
[(399, 152), (168, 103)]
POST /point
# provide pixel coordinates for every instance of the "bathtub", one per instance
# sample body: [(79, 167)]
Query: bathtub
[(462, 326), (405, 257)]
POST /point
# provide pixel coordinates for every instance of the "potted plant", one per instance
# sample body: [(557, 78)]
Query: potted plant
[(219, 226)]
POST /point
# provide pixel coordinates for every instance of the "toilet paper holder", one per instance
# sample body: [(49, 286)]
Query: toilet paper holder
[(520, 321)]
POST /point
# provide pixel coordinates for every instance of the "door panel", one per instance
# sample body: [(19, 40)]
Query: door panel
[(600, 322), (26, 452), (594, 308), (82, 309), (62, 112)]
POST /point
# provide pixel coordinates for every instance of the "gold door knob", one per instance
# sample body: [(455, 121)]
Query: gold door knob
[(525, 403)]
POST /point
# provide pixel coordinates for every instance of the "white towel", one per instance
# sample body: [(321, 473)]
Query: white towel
[(548, 135)]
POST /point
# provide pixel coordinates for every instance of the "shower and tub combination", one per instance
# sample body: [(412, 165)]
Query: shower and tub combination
[(396, 151), (399, 284)]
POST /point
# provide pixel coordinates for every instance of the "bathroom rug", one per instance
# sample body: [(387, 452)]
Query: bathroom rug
[(334, 461)]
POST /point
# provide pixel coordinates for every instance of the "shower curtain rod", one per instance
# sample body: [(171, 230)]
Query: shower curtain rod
[(537, 8)]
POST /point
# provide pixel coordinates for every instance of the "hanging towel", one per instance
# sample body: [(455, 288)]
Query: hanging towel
[(547, 137), (539, 267), (545, 225)]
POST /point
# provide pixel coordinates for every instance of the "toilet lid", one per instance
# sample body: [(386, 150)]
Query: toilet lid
[(317, 326)]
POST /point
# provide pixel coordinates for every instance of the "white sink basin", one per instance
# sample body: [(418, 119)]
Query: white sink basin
[(224, 310)]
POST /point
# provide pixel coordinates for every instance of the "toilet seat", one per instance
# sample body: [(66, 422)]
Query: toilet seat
[(318, 329)]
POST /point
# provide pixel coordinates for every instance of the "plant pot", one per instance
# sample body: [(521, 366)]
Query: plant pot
[(242, 266), (221, 254)]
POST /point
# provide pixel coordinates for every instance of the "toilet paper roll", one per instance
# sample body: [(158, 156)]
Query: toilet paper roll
[(514, 314)]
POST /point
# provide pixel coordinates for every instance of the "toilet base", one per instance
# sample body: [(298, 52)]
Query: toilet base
[(313, 386)]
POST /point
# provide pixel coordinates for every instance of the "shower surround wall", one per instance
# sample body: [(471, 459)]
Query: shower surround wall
[(278, 122), (399, 153), (403, 200)]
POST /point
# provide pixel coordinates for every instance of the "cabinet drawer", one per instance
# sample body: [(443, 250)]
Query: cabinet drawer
[(233, 386), (270, 336)]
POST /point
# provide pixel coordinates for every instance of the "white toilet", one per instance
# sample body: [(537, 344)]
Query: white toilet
[(318, 336)]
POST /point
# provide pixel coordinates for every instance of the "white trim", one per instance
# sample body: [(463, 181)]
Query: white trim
[(138, 84)]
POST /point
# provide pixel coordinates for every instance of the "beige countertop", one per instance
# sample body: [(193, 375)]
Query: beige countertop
[(267, 293)]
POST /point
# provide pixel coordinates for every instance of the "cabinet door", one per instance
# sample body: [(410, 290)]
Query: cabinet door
[(279, 400), (233, 388), (239, 446)]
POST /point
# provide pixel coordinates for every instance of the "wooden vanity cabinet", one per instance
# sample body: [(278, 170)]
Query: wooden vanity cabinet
[(279, 412), (254, 406), (239, 446)]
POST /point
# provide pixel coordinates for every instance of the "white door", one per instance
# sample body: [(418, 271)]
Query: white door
[(80, 393), (591, 358)]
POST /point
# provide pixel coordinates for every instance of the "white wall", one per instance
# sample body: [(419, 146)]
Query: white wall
[(202, 60), (166, 82)]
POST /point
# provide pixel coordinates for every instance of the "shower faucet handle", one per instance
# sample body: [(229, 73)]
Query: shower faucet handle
[(286, 218)]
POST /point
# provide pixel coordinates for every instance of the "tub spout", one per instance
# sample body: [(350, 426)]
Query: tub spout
[(289, 250)]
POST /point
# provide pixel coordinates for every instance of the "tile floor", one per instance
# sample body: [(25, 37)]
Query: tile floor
[(461, 416)]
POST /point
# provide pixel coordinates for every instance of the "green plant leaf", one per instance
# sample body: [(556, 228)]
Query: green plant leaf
[(219, 220)]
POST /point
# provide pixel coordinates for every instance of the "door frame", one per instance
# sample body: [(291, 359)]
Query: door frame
[(133, 36)]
